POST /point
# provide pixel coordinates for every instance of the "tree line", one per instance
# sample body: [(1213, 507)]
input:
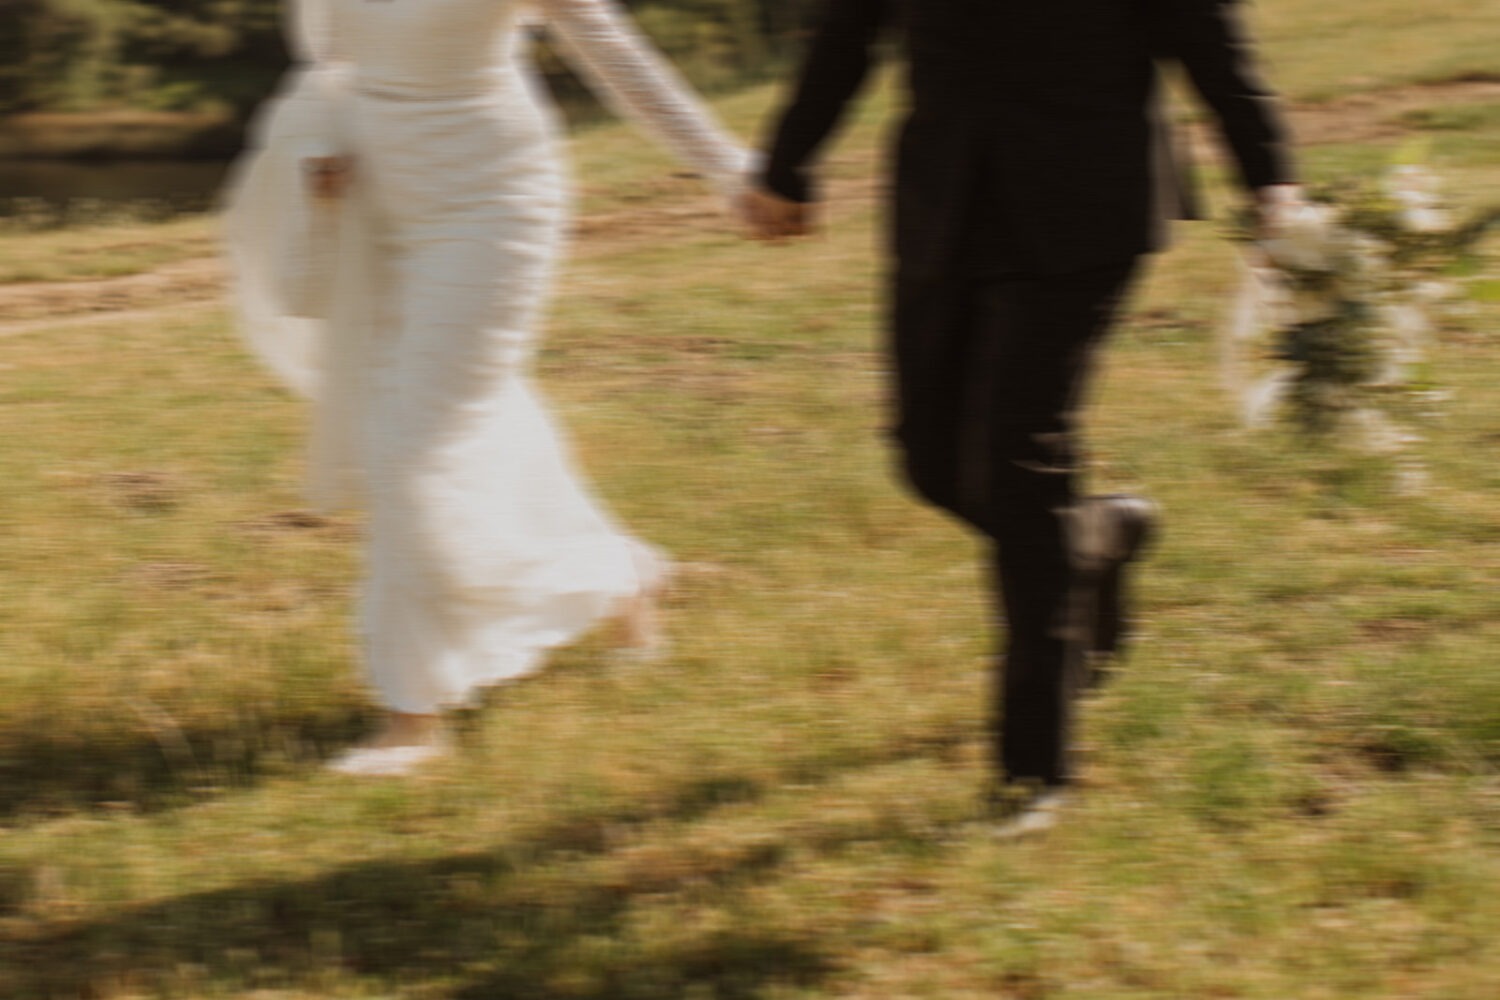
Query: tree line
[(221, 56)]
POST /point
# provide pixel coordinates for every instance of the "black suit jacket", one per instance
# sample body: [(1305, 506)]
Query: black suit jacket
[(1035, 134)]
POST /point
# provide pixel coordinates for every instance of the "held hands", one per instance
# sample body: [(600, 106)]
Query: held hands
[(1279, 207), (770, 217)]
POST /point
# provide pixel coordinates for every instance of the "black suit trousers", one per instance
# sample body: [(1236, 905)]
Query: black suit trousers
[(992, 366)]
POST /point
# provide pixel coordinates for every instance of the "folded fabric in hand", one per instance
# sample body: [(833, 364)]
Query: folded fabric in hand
[(305, 240), (272, 204)]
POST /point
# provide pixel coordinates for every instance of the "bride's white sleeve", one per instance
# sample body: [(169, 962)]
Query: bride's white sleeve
[(315, 83), (281, 241), (309, 29), (632, 77)]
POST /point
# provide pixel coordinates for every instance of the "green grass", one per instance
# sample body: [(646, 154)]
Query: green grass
[(102, 250), (1326, 50), (1291, 792)]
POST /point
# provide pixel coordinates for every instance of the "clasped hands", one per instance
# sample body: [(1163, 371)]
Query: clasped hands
[(770, 217), (1278, 207)]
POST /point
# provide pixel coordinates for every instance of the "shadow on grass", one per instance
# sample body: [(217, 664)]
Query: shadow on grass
[(160, 764), (50, 772), (548, 916), (559, 912), (147, 761)]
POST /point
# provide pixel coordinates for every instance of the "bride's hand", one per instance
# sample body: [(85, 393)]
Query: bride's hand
[(327, 176)]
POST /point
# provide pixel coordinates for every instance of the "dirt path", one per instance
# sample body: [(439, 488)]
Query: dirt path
[(44, 304), (30, 307), (1369, 117), (70, 320), (1378, 114)]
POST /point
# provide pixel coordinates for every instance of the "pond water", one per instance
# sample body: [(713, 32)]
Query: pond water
[(151, 188)]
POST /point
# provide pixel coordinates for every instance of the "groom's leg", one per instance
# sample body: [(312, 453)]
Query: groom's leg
[(933, 345), (1035, 339)]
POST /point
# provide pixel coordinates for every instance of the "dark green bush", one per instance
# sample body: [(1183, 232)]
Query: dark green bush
[(198, 54)]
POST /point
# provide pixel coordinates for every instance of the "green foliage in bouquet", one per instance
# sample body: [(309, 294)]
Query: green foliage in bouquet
[(1350, 276), (1418, 232), (1333, 363)]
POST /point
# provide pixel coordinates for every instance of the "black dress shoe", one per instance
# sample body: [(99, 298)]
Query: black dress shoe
[(1113, 531)]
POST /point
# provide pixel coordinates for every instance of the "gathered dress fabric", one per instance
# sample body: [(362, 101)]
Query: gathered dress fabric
[(408, 313)]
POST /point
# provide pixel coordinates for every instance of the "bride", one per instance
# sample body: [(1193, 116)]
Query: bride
[(393, 234)]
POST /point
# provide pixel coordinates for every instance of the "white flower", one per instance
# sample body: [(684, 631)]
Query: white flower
[(1408, 324), (1376, 433), (1412, 477), (1433, 291), (1411, 181), (1426, 219), (1304, 237), (1432, 402), (1407, 335), (1365, 255), (1417, 192), (1259, 402), (1393, 372)]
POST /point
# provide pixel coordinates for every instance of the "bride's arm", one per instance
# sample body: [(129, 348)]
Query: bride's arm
[(311, 30), (628, 72)]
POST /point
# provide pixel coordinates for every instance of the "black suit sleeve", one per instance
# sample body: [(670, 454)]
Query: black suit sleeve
[(1209, 39), (837, 63)]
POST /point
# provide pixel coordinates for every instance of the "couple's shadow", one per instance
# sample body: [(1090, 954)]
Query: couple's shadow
[(547, 913), (151, 763), (542, 915), (148, 762)]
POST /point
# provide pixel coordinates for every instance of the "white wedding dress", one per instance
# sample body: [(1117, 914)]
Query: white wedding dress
[(408, 315)]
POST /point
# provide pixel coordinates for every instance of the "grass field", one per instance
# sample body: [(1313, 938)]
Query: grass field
[(1292, 791)]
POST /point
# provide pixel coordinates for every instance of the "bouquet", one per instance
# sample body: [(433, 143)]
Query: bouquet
[(1332, 328)]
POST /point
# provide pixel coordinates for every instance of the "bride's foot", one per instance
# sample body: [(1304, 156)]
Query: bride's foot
[(641, 633), (404, 743)]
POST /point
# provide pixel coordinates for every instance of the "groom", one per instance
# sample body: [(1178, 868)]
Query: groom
[(1034, 173)]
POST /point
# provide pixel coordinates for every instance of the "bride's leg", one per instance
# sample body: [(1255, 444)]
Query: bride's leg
[(487, 547), (639, 615), (404, 739), (404, 729), (405, 743)]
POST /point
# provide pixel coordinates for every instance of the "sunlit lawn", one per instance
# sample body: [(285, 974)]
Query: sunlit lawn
[(1290, 792)]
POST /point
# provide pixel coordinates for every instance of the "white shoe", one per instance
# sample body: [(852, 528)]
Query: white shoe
[(1036, 817), (386, 762), (643, 638)]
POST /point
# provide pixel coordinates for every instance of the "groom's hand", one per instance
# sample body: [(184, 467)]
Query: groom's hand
[(771, 217), (1276, 207)]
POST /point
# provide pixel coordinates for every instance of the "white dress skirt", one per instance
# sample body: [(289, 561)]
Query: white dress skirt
[(408, 314)]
